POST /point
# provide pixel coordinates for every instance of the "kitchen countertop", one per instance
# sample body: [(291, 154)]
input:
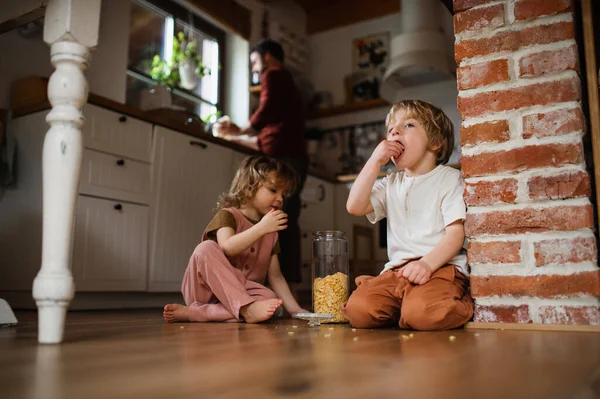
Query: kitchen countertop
[(29, 96)]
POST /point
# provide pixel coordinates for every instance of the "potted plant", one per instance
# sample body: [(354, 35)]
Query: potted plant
[(185, 66)]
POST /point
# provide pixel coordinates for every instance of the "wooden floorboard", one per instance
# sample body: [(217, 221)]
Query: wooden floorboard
[(134, 354)]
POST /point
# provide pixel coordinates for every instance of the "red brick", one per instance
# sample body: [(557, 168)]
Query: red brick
[(563, 186), (588, 315), (479, 19), (557, 91), (494, 252), (545, 62), (487, 132), (541, 286), (461, 5), (529, 9), (553, 123), (534, 220), (502, 314), (514, 40), (482, 74), (522, 158), (565, 250), (490, 192)]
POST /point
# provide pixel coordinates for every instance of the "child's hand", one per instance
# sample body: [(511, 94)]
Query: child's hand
[(417, 272), (273, 221), (386, 150)]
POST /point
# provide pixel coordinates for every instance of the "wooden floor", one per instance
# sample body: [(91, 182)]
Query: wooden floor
[(134, 354)]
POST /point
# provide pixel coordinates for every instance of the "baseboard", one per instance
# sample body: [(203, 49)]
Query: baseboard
[(532, 327), (22, 300)]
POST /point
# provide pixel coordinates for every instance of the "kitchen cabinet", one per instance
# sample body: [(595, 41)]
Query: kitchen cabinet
[(189, 175), (111, 245)]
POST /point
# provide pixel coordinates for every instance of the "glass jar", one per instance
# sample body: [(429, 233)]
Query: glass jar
[(330, 270)]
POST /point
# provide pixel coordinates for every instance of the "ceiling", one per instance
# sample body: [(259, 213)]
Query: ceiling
[(323, 15)]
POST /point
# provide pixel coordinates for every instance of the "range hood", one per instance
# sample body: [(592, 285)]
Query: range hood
[(422, 54)]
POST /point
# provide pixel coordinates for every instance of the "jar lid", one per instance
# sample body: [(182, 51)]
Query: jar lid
[(329, 233)]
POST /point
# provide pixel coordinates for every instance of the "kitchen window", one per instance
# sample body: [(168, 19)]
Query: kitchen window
[(153, 24)]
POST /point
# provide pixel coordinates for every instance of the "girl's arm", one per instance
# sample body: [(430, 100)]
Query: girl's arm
[(232, 244), (281, 288)]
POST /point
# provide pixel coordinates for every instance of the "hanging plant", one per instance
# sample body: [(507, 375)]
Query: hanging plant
[(185, 66)]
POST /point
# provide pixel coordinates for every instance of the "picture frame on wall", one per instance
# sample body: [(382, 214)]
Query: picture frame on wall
[(370, 57)]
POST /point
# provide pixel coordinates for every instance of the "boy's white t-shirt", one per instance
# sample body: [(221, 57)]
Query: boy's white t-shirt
[(418, 209)]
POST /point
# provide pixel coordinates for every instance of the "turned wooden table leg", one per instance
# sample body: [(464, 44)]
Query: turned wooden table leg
[(71, 28)]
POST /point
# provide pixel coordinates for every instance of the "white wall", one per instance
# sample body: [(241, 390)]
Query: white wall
[(106, 76), (331, 61)]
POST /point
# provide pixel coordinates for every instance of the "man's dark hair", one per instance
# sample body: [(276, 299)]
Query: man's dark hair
[(269, 46)]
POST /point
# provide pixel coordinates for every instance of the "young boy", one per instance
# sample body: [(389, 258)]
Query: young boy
[(424, 284)]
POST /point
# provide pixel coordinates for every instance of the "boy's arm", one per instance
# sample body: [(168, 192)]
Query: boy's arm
[(232, 244), (281, 288), (359, 203), (420, 271)]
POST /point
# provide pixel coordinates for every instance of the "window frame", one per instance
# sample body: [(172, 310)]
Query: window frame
[(183, 15)]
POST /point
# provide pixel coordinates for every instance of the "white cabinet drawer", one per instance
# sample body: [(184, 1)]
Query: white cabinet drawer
[(110, 176), (115, 133), (111, 245)]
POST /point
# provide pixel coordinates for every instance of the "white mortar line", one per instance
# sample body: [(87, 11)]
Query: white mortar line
[(486, 5), (509, 10), (534, 109), (536, 237), (515, 27), (522, 190), (521, 52), (527, 174), (517, 143), (582, 300), (534, 205), (519, 83), (530, 270)]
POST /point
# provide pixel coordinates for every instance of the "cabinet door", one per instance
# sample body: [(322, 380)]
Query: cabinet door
[(111, 246), (110, 176), (188, 176), (318, 199), (111, 132)]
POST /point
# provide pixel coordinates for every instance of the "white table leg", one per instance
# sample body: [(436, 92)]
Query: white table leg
[(71, 27)]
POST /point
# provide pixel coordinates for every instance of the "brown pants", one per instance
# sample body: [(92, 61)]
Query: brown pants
[(441, 303)]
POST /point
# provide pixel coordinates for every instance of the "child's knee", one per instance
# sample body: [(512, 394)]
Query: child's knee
[(205, 248), (359, 312), (443, 315)]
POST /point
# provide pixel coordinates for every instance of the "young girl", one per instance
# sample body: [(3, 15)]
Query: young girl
[(225, 276)]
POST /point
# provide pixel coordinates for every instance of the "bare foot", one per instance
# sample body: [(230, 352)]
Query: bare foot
[(175, 312), (259, 311)]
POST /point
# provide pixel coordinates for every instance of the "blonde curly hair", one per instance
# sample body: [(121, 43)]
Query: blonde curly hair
[(253, 172), (436, 123)]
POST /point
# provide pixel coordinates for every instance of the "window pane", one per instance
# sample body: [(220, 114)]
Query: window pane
[(146, 37), (208, 49), (209, 84)]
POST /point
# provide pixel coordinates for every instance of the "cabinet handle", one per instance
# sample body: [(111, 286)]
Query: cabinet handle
[(199, 144), (304, 206), (304, 235), (122, 118), (120, 162), (322, 197), (118, 207)]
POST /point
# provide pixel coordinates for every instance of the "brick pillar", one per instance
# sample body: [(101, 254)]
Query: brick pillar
[(530, 222)]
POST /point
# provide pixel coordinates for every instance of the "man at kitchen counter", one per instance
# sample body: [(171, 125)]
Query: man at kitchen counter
[(278, 125)]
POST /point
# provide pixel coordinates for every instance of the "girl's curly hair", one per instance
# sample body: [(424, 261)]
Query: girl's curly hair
[(253, 172)]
